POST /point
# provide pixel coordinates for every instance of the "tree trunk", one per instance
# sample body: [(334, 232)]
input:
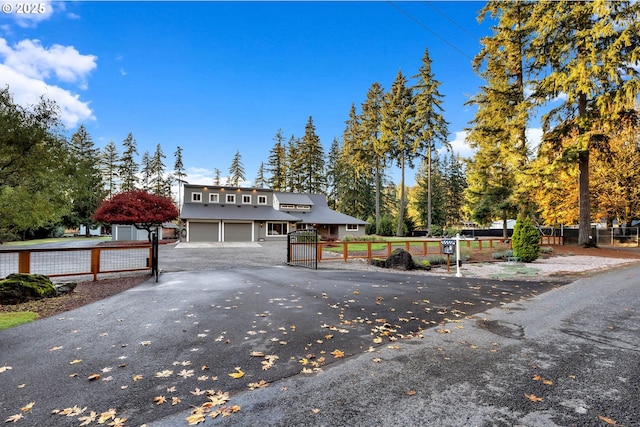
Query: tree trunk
[(429, 192), (584, 232), (401, 210), (377, 178)]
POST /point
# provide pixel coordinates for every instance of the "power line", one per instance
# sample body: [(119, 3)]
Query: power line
[(460, 51)]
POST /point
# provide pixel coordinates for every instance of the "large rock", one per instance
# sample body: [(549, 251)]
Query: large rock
[(19, 287), (400, 259)]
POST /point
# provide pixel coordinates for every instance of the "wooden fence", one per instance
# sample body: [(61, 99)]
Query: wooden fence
[(416, 247), (60, 262)]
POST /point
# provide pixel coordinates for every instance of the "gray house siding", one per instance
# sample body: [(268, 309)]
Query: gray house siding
[(249, 214)]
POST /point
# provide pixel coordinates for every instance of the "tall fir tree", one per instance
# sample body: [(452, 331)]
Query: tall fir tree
[(179, 174), (260, 181), (87, 190), (217, 176), (430, 125), (311, 156), (109, 165), (277, 164), (146, 172), (236, 171), (377, 148), (399, 132), (334, 171), (128, 168), (588, 53), (158, 180), (294, 166)]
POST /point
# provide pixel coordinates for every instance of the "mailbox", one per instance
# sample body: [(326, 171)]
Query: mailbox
[(448, 246)]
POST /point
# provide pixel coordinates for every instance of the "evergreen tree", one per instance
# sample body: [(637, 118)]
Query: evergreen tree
[(588, 53), (430, 125), (146, 171), (499, 168), (260, 181), (399, 132), (526, 240), (87, 189), (311, 157), (334, 171), (455, 186), (431, 193), (109, 165), (294, 166), (128, 167), (157, 181), (277, 164), (179, 173), (236, 170), (217, 176), (376, 147)]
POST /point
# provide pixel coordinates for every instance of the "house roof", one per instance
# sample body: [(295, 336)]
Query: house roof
[(322, 214), (293, 199), (232, 212)]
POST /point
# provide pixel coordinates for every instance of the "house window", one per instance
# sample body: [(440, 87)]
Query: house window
[(246, 199), (231, 198), (262, 200), (277, 228), (214, 198), (196, 197), (352, 227)]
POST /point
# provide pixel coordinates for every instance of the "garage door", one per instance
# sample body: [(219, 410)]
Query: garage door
[(203, 231), (237, 232)]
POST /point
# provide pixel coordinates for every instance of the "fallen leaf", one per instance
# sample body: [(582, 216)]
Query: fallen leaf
[(411, 392), (606, 420), (259, 384), (27, 407), (238, 374), (164, 374), (137, 377), (118, 422), (315, 410), (93, 377), (88, 419), (175, 401), (14, 418), (107, 415), (55, 348), (195, 418), (75, 361), (533, 397), (337, 353), (186, 373), (159, 400)]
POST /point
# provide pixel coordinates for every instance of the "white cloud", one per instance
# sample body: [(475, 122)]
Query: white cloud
[(33, 60), (534, 138), (459, 146), (27, 68)]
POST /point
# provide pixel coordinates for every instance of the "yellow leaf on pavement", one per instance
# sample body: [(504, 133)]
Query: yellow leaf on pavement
[(238, 374)]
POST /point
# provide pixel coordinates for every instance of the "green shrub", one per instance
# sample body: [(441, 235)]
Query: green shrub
[(526, 240), (387, 227)]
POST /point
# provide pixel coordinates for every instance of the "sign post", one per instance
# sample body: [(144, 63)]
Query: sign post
[(447, 248), (458, 274)]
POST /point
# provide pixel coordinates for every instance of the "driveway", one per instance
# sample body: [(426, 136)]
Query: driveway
[(334, 347)]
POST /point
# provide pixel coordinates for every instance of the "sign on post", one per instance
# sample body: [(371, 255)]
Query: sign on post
[(448, 247)]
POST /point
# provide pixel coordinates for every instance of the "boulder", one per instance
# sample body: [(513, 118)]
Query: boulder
[(400, 259), (19, 287)]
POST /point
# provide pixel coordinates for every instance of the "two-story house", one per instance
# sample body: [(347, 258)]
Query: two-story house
[(236, 214)]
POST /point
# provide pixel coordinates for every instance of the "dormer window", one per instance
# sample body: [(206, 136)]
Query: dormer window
[(262, 200), (196, 197), (304, 207), (231, 198), (287, 206), (246, 199), (214, 198)]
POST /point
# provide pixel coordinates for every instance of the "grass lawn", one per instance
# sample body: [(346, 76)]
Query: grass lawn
[(9, 320), (55, 239), (400, 243)]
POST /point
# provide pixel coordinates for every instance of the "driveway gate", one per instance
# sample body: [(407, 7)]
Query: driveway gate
[(302, 247)]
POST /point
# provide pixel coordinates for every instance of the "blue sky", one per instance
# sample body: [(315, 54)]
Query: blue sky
[(216, 77)]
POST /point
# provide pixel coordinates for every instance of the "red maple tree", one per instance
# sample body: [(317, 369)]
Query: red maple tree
[(138, 208)]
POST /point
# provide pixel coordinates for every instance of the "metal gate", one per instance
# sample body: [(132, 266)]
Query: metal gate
[(302, 248), (154, 255)]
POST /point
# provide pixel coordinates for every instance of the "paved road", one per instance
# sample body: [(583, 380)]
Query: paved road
[(438, 356)]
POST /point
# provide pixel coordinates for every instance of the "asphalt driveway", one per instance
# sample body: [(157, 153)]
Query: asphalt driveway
[(329, 347)]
